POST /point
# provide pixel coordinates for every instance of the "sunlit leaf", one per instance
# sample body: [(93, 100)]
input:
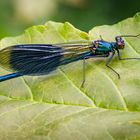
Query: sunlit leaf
[(55, 106)]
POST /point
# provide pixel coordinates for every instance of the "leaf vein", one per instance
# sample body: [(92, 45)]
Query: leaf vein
[(72, 83)]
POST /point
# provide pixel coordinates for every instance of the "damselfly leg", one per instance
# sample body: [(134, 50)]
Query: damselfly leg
[(107, 64), (119, 57), (84, 73), (84, 66), (101, 37)]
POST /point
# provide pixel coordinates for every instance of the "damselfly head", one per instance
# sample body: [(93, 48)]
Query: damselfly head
[(119, 42)]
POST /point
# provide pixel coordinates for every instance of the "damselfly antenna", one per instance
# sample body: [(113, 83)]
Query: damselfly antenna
[(130, 35)]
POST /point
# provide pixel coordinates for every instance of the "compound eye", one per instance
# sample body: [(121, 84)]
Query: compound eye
[(122, 42), (118, 39)]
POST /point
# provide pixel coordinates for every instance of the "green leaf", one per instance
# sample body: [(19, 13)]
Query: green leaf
[(55, 107)]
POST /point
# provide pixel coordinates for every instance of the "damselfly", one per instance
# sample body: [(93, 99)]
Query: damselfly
[(41, 59)]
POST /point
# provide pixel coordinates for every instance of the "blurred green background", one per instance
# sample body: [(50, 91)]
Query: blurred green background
[(17, 15)]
